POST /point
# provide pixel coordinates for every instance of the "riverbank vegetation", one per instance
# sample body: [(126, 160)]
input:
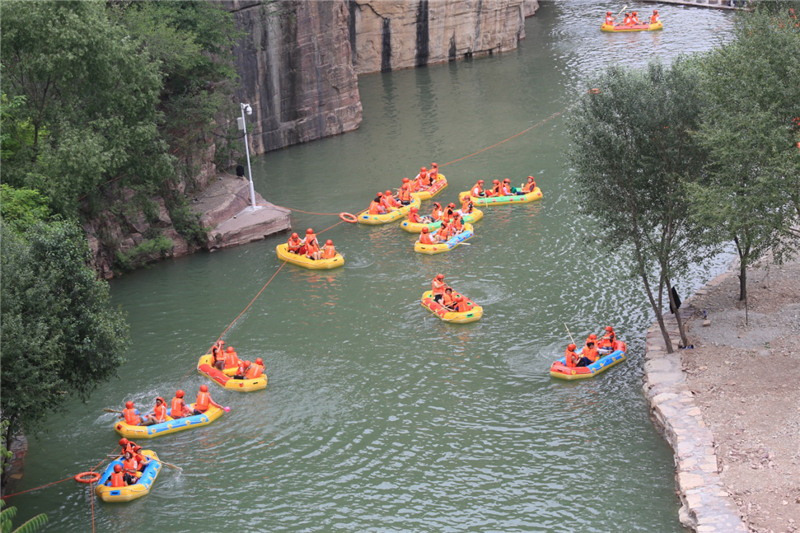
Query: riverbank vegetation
[(676, 161)]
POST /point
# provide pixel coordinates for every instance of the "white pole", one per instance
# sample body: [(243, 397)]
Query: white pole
[(247, 151)]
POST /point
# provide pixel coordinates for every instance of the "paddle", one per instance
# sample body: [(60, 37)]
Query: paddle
[(111, 410), (621, 10), (568, 332), (156, 460)]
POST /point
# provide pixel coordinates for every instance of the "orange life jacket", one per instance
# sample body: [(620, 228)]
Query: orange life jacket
[(425, 238), (609, 19), (242, 369), (427, 179), (374, 208), (607, 341), (444, 233), (295, 244), (448, 299), (254, 371), (313, 247), (130, 465), (571, 358), (457, 226), (311, 240), (386, 203), (627, 20), (497, 190), (419, 183), (127, 448), (414, 218), (131, 417), (404, 194), (176, 408), (466, 206), (529, 186), (437, 286), (436, 214), (218, 353), (476, 190), (203, 401), (462, 306), (634, 20), (654, 19), (160, 412), (231, 359), (589, 353), (447, 214), (117, 479), (328, 252)]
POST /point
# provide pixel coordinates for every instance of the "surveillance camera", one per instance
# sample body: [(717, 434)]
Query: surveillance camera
[(249, 109)]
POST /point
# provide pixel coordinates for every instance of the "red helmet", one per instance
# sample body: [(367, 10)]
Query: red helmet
[(204, 388), (129, 405), (425, 229), (439, 276), (655, 11), (507, 180), (329, 242), (406, 180), (388, 193), (609, 328), (379, 193), (451, 204), (593, 337), (530, 177), (179, 394), (222, 342), (295, 236), (423, 169), (571, 347), (608, 12), (137, 448), (123, 441), (437, 204), (634, 12), (495, 181), (414, 209), (230, 349), (259, 361), (309, 231), (434, 165), (481, 181), (118, 468), (247, 363)]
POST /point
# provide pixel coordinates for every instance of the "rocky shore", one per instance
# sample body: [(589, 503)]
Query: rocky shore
[(730, 407)]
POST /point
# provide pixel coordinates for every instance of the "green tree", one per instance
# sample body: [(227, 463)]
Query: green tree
[(22, 208), (60, 337), (7, 515), (750, 126), (632, 152)]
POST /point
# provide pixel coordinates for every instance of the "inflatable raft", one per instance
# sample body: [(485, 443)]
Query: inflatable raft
[(225, 378), (391, 216), (475, 311), (447, 245), (621, 28), (560, 370), (535, 194), (437, 187), (306, 262), (416, 227), (131, 492), (170, 426)]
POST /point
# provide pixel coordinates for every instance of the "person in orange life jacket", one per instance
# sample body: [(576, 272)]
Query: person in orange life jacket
[(119, 478), (421, 181), (295, 245), (159, 413), (589, 352), (242, 370), (506, 188), (218, 351), (609, 18), (448, 299), (393, 203), (141, 460), (527, 187), (204, 401), (436, 212), (437, 287), (467, 206), (231, 358), (131, 415), (404, 193), (386, 201), (607, 342), (425, 237), (477, 189), (444, 232), (570, 357), (129, 464), (433, 173), (328, 251), (127, 445), (654, 18), (413, 216), (456, 224), (422, 172), (634, 18), (495, 189), (312, 245), (178, 408), (255, 369), (447, 214), (627, 20), (375, 207), (461, 305)]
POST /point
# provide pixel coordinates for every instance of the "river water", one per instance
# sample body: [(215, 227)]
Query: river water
[(379, 417)]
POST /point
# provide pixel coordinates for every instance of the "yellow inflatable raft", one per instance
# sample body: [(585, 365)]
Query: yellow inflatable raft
[(621, 28), (535, 194), (225, 378), (170, 426), (131, 492), (391, 216), (474, 313), (416, 227), (447, 245), (305, 262), (438, 186)]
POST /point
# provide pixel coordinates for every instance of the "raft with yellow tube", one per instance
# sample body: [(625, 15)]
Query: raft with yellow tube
[(391, 216), (131, 492), (172, 425), (535, 194), (306, 262), (622, 28), (438, 186), (225, 377), (446, 246), (416, 227), (474, 313), (560, 370)]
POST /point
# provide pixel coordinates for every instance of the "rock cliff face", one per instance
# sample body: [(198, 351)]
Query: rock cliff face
[(296, 70), (393, 34)]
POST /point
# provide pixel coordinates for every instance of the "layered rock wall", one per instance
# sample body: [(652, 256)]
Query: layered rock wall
[(296, 70), (394, 34)]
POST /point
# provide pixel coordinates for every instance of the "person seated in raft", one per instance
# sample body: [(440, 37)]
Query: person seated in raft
[(391, 200), (654, 18), (627, 19), (527, 187), (635, 19), (609, 18), (295, 245), (242, 369), (312, 245), (589, 352), (449, 299), (606, 344), (218, 353), (414, 217), (570, 357), (456, 224), (328, 251), (231, 358), (131, 415), (129, 464), (141, 460), (204, 401), (386, 201), (425, 237), (438, 287), (444, 232), (255, 370), (466, 206), (506, 187), (461, 305), (375, 207), (436, 212), (495, 190), (477, 189), (178, 408), (159, 413), (127, 445), (447, 213), (404, 193), (433, 173), (118, 478), (422, 181)]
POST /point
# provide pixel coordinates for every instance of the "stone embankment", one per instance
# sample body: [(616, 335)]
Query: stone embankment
[(706, 506)]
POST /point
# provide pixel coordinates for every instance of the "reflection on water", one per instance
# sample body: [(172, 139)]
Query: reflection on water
[(378, 416)]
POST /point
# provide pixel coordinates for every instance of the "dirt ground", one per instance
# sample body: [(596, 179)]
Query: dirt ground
[(746, 379)]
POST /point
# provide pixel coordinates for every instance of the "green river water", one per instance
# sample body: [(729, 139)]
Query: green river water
[(378, 416)]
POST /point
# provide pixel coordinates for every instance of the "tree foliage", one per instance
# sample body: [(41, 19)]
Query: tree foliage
[(7, 515), (632, 151), (22, 208), (60, 337)]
